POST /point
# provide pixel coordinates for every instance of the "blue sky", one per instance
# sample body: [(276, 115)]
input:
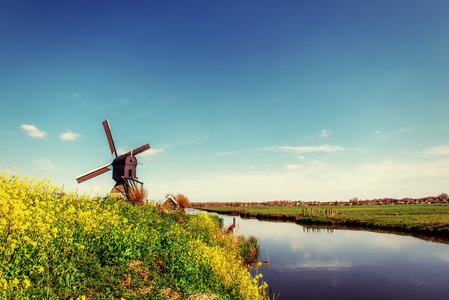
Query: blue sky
[(239, 100)]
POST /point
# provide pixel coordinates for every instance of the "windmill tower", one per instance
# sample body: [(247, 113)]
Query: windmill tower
[(123, 166)]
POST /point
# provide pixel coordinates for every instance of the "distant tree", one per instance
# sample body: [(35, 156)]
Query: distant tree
[(182, 200)]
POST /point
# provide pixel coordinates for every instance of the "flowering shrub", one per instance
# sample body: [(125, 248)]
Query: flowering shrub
[(58, 245)]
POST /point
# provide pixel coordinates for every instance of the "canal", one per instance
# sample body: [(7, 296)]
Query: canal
[(346, 264)]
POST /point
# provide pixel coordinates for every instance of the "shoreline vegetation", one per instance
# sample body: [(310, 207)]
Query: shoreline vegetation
[(55, 245), (426, 221)]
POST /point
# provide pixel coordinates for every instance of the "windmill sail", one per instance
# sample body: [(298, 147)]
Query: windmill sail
[(138, 150), (93, 173), (124, 166), (107, 129)]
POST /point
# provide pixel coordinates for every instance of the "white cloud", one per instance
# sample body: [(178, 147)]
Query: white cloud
[(437, 150), (152, 152), (402, 130), (32, 131), (148, 153), (329, 265), (442, 256), (46, 165), (292, 167), (69, 136), (315, 181), (306, 149), (121, 151), (325, 133), (392, 133)]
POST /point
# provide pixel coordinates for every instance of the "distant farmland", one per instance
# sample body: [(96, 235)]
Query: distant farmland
[(420, 218)]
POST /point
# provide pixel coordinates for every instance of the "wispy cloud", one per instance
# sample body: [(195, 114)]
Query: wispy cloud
[(152, 152), (329, 265), (46, 165), (392, 133), (405, 178), (292, 167), (148, 153), (325, 133), (437, 150), (306, 149), (32, 131), (69, 136)]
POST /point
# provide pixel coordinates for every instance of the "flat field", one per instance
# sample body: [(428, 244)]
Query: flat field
[(422, 218)]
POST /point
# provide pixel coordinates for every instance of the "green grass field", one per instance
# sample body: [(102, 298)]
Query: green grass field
[(422, 218)]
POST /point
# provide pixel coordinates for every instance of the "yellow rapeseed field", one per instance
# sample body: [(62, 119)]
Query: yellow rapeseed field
[(58, 245)]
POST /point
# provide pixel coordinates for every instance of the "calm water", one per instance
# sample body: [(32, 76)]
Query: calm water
[(347, 264)]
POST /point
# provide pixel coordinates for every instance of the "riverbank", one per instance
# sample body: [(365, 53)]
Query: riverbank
[(430, 219), (55, 245)]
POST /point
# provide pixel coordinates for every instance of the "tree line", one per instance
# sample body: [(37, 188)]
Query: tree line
[(442, 198)]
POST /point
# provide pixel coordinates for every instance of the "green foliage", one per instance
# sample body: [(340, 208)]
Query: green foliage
[(58, 246), (249, 248)]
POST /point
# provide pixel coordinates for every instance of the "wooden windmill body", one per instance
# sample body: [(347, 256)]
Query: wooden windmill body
[(123, 166)]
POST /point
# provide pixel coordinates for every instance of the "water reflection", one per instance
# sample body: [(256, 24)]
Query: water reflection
[(316, 229), (311, 263)]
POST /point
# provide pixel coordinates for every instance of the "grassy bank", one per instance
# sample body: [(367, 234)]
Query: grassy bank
[(59, 246), (419, 218)]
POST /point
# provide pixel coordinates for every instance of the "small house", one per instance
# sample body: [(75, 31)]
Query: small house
[(170, 204)]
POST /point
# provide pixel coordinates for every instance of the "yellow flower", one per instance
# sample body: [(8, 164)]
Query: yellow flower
[(26, 283), (15, 281), (4, 284)]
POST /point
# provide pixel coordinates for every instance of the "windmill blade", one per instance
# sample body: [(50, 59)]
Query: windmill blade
[(93, 173), (139, 150), (107, 129)]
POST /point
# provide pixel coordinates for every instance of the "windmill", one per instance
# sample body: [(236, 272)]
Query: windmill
[(123, 166)]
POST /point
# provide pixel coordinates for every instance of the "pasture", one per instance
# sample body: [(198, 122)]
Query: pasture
[(422, 218)]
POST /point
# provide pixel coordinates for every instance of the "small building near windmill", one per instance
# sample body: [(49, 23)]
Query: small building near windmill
[(170, 204)]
